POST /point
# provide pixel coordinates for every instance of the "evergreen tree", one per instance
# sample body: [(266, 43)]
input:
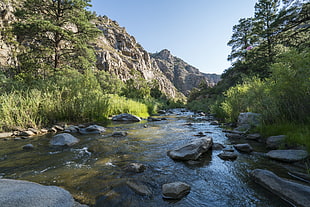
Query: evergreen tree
[(55, 34)]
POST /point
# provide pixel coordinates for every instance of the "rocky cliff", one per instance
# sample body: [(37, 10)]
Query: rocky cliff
[(184, 76)]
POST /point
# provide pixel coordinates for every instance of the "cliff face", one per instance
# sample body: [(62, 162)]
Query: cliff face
[(120, 54), (184, 76)]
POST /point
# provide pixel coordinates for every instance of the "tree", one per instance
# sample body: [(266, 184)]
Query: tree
[(55, 34)]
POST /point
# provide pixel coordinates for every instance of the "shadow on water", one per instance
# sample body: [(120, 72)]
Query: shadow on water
[(93, 170)]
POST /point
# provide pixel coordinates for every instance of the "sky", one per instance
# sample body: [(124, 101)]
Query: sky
[(196, 31)]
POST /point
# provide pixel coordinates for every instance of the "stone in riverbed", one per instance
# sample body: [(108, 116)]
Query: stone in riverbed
[(228, 155), (92, 129), (63, 139), (24, 194), (139, 188), (295, 193), (135, 167), (126, 117), (274, 142), (287, 155), (176, 190), (119, 134), (192, 150), (247, 148), (28, 147)]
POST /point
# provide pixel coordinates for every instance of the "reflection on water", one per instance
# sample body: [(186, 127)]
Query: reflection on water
[(93, 170)]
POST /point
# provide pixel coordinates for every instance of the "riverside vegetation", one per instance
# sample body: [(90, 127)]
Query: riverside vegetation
[(270, 73)]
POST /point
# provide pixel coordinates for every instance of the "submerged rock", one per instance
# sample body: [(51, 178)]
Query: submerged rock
[(287, 155), (126, 117), (176, 190), (24, 194), (63, 139), (119, 134), (295, 193), (139, 188), (192, 150), (28, 147), (135, 167)]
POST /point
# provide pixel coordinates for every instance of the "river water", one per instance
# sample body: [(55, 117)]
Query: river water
[(94, 169)]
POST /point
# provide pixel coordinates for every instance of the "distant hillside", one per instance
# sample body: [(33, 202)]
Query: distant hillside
[(184, 76)]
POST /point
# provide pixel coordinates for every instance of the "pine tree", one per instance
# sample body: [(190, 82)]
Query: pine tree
[(55, 34)]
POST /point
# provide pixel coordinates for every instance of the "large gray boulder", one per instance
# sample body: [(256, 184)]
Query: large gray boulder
[(63, 139), (287, 155), (192, 150), (24, 194), (295, 193), (126, 117), (248, 120), (175, 190), (274, 142)]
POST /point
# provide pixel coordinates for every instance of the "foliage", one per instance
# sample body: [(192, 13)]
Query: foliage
[(54, 35)]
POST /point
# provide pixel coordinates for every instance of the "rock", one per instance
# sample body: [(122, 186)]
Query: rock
[(135, 167), (52, 130), (228, 155), (217, 146), (247, 148), (253, 136), (234, 136), (58, 128), (253, 119), (28, 147), (35, 131), (27, 133), (214, 123), (139, 188), (191, 151), (71, 129), (153, 119), (92, 129), (119, 134), (295, 193), (5, 134), (200, 134), (274, 142), (176, 190), (162, 112), (287, 155), (300, 176), (44, 131), (126, 117), (24, 194), (63, 139)]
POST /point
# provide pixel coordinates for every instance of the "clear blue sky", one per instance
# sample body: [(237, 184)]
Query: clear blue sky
[(196, 31)]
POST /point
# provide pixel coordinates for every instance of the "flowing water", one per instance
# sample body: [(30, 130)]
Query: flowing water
[(94, 169)]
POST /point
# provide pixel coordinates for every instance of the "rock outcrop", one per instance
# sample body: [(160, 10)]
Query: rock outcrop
[(184, 76)]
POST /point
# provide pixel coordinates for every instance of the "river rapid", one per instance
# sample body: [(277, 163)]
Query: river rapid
[(93, 170)]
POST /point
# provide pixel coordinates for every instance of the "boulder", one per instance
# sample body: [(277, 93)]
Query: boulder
[(226, 155), (162, 112), (139, 188), (248, 120), (126, 117), (274, 142), (247, 148), (135, 167), (92, 129), (295, 193), (176, 190), (63, 139), (192, 150), (287, 155), (217, 146), (24, 194)]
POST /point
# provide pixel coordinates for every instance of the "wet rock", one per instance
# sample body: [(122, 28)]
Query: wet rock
[(135, 167), (52, 130), (162, 112), (27, 133), (24, 194), (153, 119), (28, 147), (295, 193), (247, 148), (92, 129), (17, 138), (192, 150), (217, 146), (234, 136), (71, 129), (200, 134), (300, 176), (63, 139), (176, 190), (35, 131), (274, 142), (228, 155), (214, 123), (44, 131), (5, 134), (126, 117), (287, 155), (119, 134), (139, 188), (253, 136), (58, 128)]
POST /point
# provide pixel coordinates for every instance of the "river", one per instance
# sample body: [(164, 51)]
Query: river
[(94, 169)]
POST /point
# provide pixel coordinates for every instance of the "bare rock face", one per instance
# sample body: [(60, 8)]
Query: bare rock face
[(184, 76), (297, 194), (192, 150)]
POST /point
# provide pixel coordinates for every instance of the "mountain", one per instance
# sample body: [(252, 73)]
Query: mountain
[(117, 53), (184, 76)]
